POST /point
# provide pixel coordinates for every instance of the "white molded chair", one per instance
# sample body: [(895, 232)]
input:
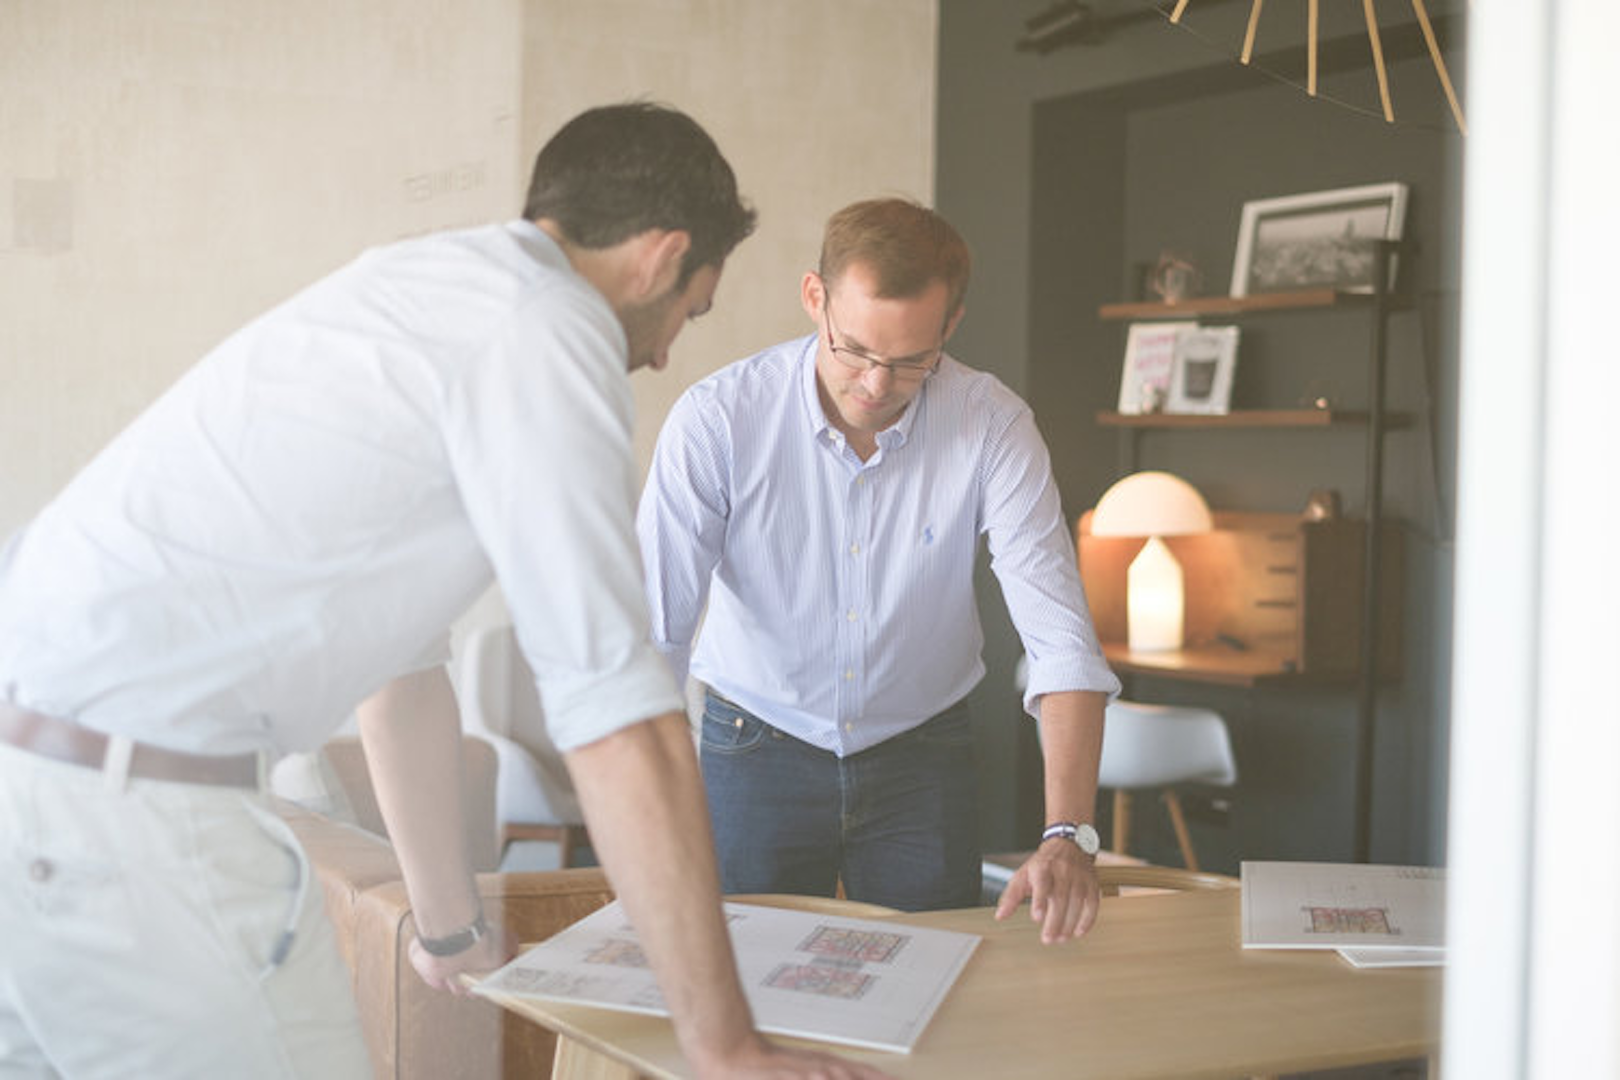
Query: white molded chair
[(534, 795), (1158, 746)]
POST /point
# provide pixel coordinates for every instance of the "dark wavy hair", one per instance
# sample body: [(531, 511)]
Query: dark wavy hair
[(618, 170)]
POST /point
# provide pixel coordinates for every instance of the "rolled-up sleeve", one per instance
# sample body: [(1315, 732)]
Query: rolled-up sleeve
[(538, 433), (1033, 558)]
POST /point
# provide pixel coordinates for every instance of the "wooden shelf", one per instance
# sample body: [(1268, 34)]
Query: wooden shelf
[(1235, 305), (1238, 418), (1220, 664)]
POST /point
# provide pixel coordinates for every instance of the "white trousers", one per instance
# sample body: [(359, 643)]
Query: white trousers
[(141, 924)]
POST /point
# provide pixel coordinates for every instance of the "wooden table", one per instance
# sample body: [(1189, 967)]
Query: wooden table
[(1159, 988)]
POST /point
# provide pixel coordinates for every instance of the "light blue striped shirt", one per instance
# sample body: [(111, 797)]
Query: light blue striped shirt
[(839, 593)]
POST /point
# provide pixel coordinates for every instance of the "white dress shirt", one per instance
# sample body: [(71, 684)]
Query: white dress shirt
[(839, 593), (300, 518)]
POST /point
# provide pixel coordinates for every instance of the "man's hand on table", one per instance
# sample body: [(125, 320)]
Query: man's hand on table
[(762, 1059), (457, 974), (1060, 882)]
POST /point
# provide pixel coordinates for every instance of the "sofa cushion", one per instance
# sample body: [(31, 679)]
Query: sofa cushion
[(347, 860)]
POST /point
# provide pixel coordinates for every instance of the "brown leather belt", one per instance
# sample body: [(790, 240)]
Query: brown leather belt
[(63, 740)]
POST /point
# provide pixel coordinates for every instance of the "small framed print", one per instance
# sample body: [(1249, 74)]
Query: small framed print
[(1317, 239), (1201, 378), (1150, 355)]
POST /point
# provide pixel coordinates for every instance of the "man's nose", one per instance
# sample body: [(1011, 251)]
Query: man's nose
[(878, 377)]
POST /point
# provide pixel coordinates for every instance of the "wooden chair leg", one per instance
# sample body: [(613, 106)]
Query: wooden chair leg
[(1122, 821), (1172, 803), (572, 837), (576, 1061)]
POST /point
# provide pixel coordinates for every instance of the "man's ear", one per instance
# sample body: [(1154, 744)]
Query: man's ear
[(950, 325), (812, 294), (659, 266)]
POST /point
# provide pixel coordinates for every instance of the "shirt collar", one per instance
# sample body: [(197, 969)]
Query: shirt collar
[(889, 439)]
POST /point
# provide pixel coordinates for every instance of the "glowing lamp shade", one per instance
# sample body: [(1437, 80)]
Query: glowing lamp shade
[(1154, 505)]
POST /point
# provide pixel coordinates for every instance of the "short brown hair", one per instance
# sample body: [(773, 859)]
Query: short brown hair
[(907, 247)]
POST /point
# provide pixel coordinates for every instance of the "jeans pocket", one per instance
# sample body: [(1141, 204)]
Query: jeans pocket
[(950, 730), (730, 730)]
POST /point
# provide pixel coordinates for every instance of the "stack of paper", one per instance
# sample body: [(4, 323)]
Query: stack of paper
[(1374, 916), (863, 982)]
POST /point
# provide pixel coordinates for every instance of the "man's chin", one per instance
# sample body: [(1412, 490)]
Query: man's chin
[(868, 418)]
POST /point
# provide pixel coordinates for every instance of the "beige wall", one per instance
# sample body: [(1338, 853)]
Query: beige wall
[(815, 104), (171, 168)]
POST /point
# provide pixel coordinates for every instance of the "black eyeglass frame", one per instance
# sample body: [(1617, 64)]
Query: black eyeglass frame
[(863, 362)]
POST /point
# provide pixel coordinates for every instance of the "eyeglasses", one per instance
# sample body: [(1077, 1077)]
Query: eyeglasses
[(906, 369)]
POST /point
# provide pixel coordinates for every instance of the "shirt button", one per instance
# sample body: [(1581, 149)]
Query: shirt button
[(41, 870), (848, 675), (851, 616), (849, 727), (854, 549), (860, 481)]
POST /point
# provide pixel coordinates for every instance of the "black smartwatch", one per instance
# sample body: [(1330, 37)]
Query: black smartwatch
[(458, 942)]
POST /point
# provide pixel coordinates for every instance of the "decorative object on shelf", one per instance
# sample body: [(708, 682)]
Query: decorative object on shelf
[(1155, 505), (1150, 357), (1201, 377), (1175, 278), (1322, 505), (1319, 238)]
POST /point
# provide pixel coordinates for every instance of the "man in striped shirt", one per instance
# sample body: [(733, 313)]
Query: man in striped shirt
[(824, 501)]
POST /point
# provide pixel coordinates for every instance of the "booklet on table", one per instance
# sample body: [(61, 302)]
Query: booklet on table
[(861, 982), (1374, 915)]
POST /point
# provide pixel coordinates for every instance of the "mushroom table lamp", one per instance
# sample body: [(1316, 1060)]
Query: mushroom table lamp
[(1154, 505)]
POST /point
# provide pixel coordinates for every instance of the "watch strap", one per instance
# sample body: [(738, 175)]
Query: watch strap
[(1083, 836), (458, 942)]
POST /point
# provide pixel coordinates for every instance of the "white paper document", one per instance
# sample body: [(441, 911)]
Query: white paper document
[(1346, 906), (861, 982), (1388, 957)]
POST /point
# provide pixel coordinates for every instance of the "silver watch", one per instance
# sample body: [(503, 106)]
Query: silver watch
[(1082, 833)]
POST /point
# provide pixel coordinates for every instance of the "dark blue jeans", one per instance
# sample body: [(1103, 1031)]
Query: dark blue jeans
[(897, 822)]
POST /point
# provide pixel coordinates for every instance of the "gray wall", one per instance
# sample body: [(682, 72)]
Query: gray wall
[(1066, 172)]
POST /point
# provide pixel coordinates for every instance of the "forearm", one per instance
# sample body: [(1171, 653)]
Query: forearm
[(1071, 745), (642, 793), (412, 736), (1059, 879)]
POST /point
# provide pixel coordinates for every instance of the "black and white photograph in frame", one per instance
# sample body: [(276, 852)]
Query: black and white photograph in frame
[(1201, 380), (1320, 239)]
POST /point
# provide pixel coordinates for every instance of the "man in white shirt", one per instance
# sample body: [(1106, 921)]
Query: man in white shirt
[(824, 501), (286, 535)]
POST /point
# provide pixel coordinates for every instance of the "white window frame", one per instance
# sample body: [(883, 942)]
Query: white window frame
[(1533, 980)]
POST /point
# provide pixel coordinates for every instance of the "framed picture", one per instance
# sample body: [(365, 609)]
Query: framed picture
[(1321, 238), (1150, 354), (1201, 378)]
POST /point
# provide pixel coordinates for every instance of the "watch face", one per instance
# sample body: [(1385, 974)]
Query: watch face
[(1086, 837)]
